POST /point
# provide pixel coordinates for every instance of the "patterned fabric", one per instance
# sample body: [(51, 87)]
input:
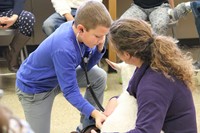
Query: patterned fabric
[(149, 3), (157, 16), (16, 5), (24, 22)]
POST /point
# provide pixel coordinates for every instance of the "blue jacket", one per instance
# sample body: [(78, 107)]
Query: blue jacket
[(196, 12), (163, 104), (54, 62)]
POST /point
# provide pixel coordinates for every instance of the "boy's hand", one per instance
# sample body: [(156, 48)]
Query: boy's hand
[(101, 44), (99, 118)]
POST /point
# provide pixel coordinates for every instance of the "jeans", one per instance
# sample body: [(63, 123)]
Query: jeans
[(54, 21), (196, 12), (37, 107)]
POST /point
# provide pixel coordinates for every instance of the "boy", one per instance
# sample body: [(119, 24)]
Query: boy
[(54, 67)]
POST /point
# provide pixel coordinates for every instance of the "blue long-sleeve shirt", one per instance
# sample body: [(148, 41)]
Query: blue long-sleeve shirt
[(54, 62), (163, 103), (16, 5)]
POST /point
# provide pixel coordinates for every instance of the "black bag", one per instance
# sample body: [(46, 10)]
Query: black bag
[(88, 129)]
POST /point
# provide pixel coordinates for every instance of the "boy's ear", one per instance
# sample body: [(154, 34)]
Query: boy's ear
[(80, 28)]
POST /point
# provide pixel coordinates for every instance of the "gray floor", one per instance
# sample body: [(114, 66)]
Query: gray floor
[(65, 117)]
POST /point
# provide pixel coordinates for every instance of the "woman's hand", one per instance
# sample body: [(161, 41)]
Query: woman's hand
[(6, 22), (110, 107), (2, 22)]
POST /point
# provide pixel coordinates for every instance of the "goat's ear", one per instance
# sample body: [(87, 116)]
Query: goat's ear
[(114, 65)]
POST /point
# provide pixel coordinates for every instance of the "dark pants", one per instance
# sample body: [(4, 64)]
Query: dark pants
[(196, 12)]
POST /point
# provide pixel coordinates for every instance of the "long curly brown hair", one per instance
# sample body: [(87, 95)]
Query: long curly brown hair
[(161, 52)]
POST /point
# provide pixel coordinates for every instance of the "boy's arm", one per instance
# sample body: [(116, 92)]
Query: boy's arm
[(66, 75), (171, 2)]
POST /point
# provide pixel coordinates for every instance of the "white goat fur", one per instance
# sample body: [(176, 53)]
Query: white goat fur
[(124, 116)]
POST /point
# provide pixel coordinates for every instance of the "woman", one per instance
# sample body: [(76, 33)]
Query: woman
[(162, 82), (13, 16), (154, 11)]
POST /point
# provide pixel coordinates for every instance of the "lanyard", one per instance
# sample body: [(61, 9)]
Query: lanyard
[(89, 87)]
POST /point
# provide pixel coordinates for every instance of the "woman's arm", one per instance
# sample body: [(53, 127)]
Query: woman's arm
[(110, 107)]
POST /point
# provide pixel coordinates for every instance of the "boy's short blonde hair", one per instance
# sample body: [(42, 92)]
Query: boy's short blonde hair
[(92, 14)]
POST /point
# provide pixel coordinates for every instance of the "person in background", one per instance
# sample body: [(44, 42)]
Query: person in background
[(65, 11), (9, 123), (57, 66), (154, 11), (13, 15), (181, 10), (162, 82)]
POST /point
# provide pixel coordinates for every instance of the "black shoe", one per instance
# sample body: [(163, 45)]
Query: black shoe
[(88, 129)]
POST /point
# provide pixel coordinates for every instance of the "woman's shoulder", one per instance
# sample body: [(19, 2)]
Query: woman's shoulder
[(155, 79)]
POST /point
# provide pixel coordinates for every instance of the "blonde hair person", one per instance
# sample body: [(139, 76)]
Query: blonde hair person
[(57, 66), (163, 79)]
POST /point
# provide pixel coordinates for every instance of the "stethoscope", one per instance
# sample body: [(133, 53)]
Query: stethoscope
[(85, 62)]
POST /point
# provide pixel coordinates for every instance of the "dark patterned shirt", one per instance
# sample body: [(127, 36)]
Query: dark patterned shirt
[(149, 3), (16, 5)]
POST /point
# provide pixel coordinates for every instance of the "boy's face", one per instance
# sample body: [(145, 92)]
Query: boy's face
[(95, 36)]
